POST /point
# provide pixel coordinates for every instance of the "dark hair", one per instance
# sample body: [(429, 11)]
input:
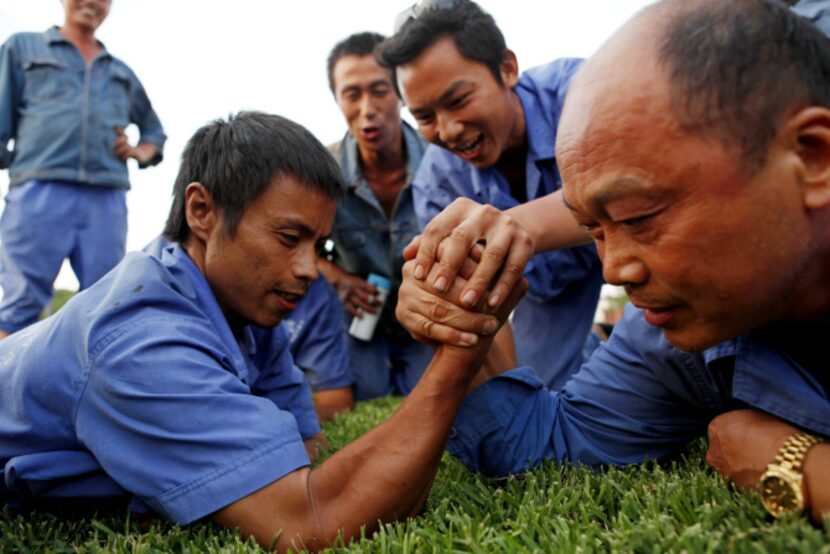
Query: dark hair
[(737, 68), (358, 44), (237, 159), (473, 30)]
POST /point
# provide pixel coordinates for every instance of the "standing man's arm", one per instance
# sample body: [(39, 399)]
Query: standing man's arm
[(10, 91), (382, 476), (150, 147)]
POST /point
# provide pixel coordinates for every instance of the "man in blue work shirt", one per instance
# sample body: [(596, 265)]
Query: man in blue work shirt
[(376, 219), (494, 133), (151, 385), (65, 101), (707, 194)]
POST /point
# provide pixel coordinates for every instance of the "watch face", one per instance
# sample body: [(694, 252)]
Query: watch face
[(779, 495)]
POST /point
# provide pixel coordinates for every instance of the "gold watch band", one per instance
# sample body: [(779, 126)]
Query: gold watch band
[(794, 450)]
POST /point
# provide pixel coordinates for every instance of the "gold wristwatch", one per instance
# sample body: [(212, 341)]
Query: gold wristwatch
[(781, 484)]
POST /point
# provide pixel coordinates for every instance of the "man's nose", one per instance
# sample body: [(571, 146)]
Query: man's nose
[(620, 264), (450, 129)]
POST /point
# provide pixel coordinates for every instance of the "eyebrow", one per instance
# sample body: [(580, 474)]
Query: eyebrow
[(451, 91), (615, 190), (296, 223)]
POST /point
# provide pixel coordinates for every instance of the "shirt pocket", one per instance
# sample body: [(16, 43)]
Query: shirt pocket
[(117, 95), (46, 80)]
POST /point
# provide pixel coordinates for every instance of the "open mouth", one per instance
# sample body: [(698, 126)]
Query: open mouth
[(470, 148), (370, 133)]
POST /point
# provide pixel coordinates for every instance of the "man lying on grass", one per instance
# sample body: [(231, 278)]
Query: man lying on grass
[(695, 150), (148, 385)]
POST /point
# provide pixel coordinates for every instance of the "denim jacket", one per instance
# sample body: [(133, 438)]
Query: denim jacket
[(61, 112), (365, 239)]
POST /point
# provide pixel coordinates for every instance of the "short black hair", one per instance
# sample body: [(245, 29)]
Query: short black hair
[(358, 44), (737, 68), (473, 31), (237, 158)]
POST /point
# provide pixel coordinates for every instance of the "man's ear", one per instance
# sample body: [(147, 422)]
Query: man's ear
[(201, 213), (812, 144), (509, 69)]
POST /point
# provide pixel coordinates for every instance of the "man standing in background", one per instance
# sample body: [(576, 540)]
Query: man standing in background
[(65, 101), (376, 219)]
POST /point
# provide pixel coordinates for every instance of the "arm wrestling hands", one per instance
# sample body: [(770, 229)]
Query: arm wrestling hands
[(743, 442), (509, 239), (382, 476)]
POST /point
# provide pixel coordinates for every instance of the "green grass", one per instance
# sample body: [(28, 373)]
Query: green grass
[(680, 507)]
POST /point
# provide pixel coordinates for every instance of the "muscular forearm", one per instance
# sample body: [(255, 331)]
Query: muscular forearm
[(817, 481), (549, 223), (386, 474)]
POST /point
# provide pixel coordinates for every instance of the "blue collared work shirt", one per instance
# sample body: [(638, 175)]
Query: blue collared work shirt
[(62, 112), (553, 321), (817, 11), (138, 386), (640, 398)]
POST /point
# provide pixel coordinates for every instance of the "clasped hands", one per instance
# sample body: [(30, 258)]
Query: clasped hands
[(463, 274)]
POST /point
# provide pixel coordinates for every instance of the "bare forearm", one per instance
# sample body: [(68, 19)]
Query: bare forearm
[(549, 223), (386, 474), (817, 480), (330, 271)]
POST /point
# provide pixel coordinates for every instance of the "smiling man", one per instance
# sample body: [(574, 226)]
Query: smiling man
[(494, 133), (65, 101), (152, 386), (378, 156), (707, 193)]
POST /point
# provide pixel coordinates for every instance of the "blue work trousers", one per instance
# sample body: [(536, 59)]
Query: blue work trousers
[(45, 222)]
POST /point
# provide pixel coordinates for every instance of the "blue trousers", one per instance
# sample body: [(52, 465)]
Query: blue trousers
[(45, 222)]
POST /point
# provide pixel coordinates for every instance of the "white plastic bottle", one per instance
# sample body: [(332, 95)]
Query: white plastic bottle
[(364, 327)]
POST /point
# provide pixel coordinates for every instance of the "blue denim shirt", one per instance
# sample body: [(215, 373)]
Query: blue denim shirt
[(638, 397), (138, 386), (817, 11), (365, 239), (61, 112)]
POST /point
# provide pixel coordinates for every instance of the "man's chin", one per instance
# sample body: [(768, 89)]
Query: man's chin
[(691, 339)]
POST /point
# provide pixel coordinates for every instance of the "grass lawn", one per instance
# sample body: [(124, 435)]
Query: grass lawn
[(683, 507)]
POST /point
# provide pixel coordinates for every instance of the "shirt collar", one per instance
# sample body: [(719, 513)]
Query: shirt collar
[(53, 35), (768, 379), (179, 262), (350, 156), (541, 136)]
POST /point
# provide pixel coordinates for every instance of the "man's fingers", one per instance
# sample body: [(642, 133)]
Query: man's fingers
[(511, 273), (428, 330), (411, 249)]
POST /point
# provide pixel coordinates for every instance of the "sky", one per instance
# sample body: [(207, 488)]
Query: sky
[(204, 59)]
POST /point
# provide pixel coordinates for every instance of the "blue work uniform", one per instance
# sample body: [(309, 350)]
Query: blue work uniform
[(640, 398), (317, 338), (553, 320), (367, 241), (817, 11), (138, 387), (68, 190)]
